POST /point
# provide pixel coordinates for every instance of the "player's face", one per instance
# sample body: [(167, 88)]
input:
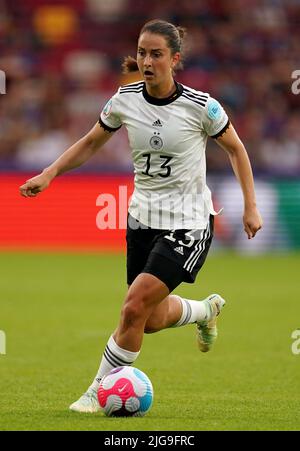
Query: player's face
[(154, 59)]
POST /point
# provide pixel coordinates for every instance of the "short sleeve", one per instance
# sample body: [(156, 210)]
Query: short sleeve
[(215, 118), (110, 117)]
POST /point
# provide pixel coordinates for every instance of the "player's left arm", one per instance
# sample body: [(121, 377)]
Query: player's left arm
[(235, 149)]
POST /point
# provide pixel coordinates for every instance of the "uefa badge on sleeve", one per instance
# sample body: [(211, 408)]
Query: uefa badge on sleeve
[(107, 108), (214, 110)]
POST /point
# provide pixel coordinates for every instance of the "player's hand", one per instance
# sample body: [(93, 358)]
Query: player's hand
[(252, 222), (35, 185)]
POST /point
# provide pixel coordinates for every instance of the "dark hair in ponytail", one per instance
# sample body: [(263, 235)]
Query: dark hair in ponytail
[(173, 35), (129, 65)]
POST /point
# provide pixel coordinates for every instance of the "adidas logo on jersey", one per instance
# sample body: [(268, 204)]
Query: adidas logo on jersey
[(157, 123), (179, 249)]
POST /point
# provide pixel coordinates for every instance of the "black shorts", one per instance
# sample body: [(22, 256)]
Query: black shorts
[(173, 256)]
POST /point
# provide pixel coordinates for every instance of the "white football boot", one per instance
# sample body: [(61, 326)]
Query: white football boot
[(87, 403), (207, 331)]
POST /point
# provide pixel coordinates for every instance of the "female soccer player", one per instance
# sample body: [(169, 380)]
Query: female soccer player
[(171, 215)]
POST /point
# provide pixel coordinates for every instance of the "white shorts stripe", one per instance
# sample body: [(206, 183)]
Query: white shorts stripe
[(194, 261), (187, 263), (200, 247)]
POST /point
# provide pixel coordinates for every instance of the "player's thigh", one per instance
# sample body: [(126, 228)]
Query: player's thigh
[(139, 244)]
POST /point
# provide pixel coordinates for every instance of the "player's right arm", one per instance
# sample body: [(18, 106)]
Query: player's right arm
[(72, 158)]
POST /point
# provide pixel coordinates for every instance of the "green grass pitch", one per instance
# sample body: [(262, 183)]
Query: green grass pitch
[(58, 310)]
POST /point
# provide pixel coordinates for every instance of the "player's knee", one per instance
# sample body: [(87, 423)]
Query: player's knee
[(130, 314), (133, 310)]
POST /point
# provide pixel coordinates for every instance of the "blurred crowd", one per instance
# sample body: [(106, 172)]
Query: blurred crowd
[(63, 59)]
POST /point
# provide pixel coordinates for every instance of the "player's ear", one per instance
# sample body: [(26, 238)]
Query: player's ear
[(175, 60)]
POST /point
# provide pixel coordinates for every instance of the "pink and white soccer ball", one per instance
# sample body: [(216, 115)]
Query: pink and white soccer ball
[(125, 392)]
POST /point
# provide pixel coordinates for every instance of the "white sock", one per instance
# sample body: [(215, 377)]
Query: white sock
[(192, 311), (113, 357)]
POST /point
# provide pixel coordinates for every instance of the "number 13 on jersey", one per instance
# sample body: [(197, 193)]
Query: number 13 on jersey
[(164, 165)]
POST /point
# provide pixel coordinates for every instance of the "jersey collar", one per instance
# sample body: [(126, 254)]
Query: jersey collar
[(166, 100)]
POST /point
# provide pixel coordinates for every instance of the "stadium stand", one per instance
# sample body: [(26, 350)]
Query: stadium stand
[(63, 61)]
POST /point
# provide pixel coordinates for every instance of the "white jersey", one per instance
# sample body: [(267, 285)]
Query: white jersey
[(168, 140)]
